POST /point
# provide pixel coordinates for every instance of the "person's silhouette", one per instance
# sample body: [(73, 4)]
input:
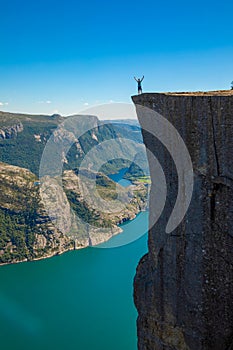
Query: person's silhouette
[(139, 81)]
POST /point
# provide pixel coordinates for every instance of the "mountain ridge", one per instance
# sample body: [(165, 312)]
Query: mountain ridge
[(35, 234)]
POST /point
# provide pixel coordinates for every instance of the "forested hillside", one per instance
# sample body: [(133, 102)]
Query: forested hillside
[(32, 229)]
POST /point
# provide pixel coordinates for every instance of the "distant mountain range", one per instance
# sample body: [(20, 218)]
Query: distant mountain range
[(23, 138)]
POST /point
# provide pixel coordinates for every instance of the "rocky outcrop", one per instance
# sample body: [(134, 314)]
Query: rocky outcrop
[(39, 219), (184, 285), (93, 205), (26, 231), (11, 131)]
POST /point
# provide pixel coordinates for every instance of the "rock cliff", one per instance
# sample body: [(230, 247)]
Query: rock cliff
[(8, 132), (34, 227), (183, 287)]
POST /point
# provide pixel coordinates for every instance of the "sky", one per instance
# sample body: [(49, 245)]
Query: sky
[(65, 56)]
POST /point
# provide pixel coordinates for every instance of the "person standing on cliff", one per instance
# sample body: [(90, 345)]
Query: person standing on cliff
[(139, 81)]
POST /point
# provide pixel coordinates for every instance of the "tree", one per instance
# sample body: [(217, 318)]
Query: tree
[(232, 85)]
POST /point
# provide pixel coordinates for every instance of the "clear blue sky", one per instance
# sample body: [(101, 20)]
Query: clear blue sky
[(62, 55)]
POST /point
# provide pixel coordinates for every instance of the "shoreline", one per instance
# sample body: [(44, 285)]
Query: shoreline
[(71, 249)]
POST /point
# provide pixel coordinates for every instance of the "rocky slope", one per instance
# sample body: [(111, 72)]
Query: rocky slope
[(7, 132), (184, 285), (32, 228), (23, 138), (35, 226)]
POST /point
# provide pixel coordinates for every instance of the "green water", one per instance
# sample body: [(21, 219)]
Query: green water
[(80, 300)]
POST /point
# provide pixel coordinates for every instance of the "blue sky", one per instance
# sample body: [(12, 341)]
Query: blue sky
[(63, 56)]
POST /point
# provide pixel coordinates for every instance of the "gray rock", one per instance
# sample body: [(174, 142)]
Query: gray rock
[(11, 131), (183, 287)]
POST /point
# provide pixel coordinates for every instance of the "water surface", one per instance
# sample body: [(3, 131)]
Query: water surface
[(79, 300), (118, 177)]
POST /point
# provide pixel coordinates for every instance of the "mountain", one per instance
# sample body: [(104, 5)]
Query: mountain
[(138, 169), (29, 230), (26, 232), (24, 146), (23, 138), (43, 161)]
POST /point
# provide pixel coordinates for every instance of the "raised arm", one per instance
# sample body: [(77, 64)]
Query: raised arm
[(135, 79), (142, 78)]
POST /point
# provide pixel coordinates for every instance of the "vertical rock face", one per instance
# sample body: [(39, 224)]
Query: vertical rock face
[(183, 287), (9, 132)]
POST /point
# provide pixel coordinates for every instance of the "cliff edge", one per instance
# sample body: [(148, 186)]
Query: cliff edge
[(183, 287)]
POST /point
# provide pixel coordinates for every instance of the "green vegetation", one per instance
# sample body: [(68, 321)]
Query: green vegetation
[(144, 179), (26, 232), (138, 168), (17, 235), (113, 166), (106, 187), (18, 216), (88, 215), (25, 149), (128, 131)]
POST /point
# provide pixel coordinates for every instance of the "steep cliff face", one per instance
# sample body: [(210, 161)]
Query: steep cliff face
[(34, 227), (26, 231), (8, 132), (184, 285)]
